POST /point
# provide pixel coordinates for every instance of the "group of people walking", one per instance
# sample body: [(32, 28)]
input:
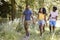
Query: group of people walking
[(27, 14)]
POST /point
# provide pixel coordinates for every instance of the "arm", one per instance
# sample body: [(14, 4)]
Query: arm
[(31, 13), (37, 17), (56, 17), (45, 17), (49, 16), (45, 20), (23, 15), (32, 19)]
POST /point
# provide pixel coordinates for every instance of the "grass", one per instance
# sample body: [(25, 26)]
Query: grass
[(9, 32), (46, 35)]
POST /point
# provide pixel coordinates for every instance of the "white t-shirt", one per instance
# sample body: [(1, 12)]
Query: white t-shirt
[(53, 15)]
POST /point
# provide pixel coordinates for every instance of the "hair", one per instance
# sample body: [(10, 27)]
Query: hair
[(54, 9), (44, 10), (39, 10), (26, 5)]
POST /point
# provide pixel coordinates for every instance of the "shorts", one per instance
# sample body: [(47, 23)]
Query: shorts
[(27, 23), (41, 22), (52, 23)]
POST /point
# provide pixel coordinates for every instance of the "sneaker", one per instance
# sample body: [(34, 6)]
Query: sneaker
[(40, 36), (27, 37)]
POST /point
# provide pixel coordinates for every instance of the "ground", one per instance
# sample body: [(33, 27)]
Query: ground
[(12, 34)]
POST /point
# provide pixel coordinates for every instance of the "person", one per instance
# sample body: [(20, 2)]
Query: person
[(27, 14), (44, 11), (41, 18), (52, 19)]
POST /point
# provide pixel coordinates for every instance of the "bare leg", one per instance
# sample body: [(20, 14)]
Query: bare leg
[(53, 28), (50, 28), (41, 29), (44, 28)]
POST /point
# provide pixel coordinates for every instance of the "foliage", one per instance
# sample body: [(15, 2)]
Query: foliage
[(4, 9)]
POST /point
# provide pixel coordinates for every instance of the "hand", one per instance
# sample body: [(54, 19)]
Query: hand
[(56, 18), (33, 22), (53, 17)]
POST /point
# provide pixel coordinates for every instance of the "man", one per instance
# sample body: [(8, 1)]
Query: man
[(27, 14)]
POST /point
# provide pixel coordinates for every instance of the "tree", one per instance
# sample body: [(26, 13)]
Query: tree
[(4, 9), (13, 9)]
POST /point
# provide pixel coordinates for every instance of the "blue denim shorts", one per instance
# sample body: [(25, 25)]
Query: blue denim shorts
[(52, 23), (41, 22)]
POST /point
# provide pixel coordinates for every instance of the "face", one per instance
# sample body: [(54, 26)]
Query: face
[(27, 7), (40, 10)]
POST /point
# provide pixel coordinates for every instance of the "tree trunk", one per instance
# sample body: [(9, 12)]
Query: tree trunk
[(13, 9)]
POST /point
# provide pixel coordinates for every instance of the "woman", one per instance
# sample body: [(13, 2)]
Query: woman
[(42, 19)]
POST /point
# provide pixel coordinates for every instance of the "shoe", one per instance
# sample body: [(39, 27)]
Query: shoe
[(26, 37)]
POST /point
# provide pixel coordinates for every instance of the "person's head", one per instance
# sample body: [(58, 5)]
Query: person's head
[(44, 10), (27, 6), (54, 9), (40, 10)]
